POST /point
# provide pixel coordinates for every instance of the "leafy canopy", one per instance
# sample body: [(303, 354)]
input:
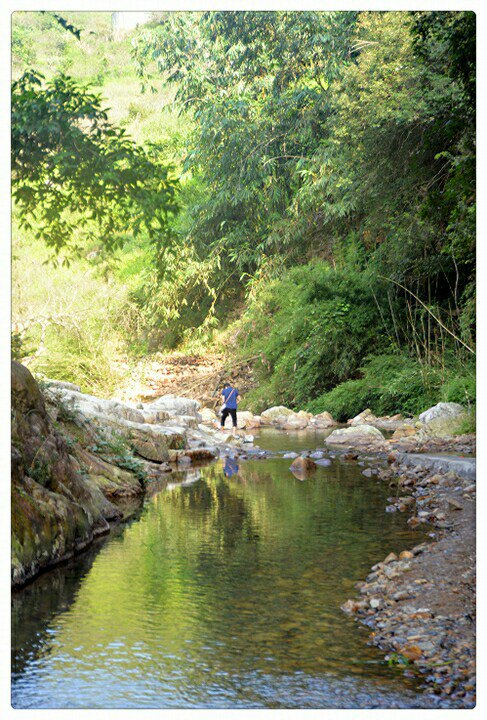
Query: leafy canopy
[(258, 84), (76, 175)]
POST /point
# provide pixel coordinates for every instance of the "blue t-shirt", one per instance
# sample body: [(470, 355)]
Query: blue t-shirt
[(230, 397)]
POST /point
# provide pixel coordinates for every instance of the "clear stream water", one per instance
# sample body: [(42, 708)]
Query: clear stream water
[(223, 592)]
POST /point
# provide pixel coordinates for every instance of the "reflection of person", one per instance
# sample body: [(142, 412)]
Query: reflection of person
[(231, 467), (229, 395)]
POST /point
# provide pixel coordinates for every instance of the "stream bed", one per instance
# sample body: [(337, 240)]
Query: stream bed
[(223, 592)]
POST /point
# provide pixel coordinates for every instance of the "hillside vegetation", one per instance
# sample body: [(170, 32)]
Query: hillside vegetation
[(323, 217)]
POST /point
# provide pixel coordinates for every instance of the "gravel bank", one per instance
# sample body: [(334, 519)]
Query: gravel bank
[(420, 605)]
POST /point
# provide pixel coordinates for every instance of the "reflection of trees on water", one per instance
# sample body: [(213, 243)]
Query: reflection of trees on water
[(245, 574), (215, 503), (37, 605)]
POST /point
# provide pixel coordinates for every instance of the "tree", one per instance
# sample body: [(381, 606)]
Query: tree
[(74, 173), (259, 86)]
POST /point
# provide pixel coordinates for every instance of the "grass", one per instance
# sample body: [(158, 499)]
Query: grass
[(75, 323)]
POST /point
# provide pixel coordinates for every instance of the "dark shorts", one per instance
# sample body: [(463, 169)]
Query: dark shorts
[(232, 413)]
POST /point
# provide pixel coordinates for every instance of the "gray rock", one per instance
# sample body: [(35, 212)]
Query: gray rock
[(324, 462), (324, 419), (276, 413), (244, 419), (463, 467), (356, 436), (442, 410), (208, 415), (174, 406), (64, 384), (442, 420), (453, 504), (363, 418)]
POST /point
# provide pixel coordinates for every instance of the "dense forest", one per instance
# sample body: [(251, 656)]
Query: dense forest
[(292, 188)]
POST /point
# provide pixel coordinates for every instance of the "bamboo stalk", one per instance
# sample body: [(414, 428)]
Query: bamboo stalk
[(428, 310)]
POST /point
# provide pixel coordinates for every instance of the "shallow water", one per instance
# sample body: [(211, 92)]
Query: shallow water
[(224, 593)]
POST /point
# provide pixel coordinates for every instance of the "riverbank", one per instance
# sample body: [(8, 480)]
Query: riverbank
[(81, 464), (420, 605)]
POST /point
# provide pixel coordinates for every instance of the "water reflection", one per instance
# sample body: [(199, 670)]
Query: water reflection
[(226, 593), (230, 466)]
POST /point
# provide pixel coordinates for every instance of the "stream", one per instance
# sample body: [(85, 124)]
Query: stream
[(224, 591)]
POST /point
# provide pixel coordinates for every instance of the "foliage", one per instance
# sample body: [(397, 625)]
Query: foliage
[(73, 171), (74, 323), (389, 384), (346, 138), (40, 471), (115, 449), (394, 659), (393, 384), (468, 425), (257, 84), (313, 328), (332, 340), (18, 345)]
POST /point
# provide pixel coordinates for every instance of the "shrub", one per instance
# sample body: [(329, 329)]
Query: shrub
[(393, 384), (313, 328)]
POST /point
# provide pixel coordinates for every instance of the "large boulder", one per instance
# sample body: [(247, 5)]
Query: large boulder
[(276, 415), (244, 419), (389, 424), (442, 420), (254, 422), (442, 410), (121, 420), (113, 481), (366, 417), (195, 455), (403, 431), (62, 384), (208, 415), (358, 436), (386, 423), (182, 421), (174, 406), (149, 448), (155, 418), (295, 422), (323, 420), (89, 406), (57, 508)]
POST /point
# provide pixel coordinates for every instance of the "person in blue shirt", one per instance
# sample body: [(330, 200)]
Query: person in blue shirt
[(230, 401)]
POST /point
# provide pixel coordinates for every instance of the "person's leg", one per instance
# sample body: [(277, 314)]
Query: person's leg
[(233, 413), (225, 414)]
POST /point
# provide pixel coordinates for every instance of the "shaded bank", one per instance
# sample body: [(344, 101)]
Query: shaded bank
[(57, 510)]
